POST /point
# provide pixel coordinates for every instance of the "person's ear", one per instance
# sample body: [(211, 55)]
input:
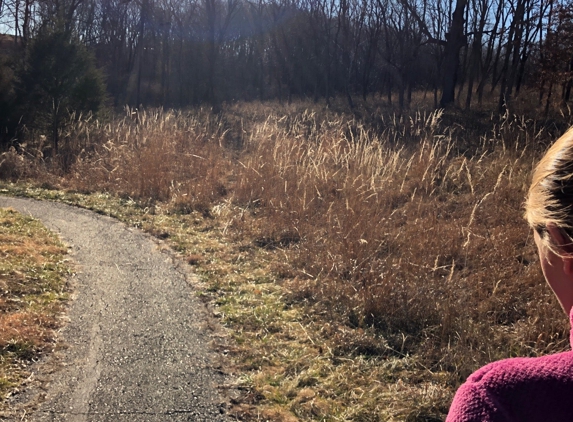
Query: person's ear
[(559, 240)]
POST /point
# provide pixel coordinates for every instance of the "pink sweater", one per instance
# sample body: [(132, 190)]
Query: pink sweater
[(518, 389)]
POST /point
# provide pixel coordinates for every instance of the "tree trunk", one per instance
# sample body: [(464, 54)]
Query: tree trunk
[(141, 50), (455, 40), (569, 85), (474, 61), (500, 18), (389, 90), (548, 101), (508, 74), (517, 43), (55, 124)]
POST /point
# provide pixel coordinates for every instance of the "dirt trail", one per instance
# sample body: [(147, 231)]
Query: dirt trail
[(136, 338)]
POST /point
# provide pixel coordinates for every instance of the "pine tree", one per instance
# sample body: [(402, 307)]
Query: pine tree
[(58, 78)]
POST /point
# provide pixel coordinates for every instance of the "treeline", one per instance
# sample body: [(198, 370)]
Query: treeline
[(178, 53)]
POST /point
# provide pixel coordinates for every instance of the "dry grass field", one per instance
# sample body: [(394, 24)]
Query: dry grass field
[(364, 264)]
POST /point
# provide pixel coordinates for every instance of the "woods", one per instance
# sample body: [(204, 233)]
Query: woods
[(177, 53), (470, 54)]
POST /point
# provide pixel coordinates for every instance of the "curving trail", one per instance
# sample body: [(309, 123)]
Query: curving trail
[(137, 347)]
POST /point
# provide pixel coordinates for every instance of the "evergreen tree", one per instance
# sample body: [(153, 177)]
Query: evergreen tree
[(6, 101), (58, 77)]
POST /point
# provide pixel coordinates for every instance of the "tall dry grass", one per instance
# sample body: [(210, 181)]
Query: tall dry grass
[(402, 231), (410, 226), (175, 157)]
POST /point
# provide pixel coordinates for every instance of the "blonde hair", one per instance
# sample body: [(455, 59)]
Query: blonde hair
[(550, 197)]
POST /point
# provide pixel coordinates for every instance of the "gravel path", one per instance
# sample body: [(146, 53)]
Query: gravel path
[(137, 343)]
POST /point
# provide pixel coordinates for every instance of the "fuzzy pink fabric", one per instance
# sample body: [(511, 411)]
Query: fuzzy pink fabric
[(518, 389)]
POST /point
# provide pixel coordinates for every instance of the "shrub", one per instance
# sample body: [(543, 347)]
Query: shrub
[(58, 78)]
